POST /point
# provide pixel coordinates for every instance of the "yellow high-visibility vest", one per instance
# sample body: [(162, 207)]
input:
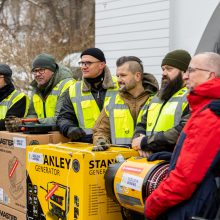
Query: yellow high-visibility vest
[(9, 101), (163, 116), (121, 122), (47, 108), (85, 106)]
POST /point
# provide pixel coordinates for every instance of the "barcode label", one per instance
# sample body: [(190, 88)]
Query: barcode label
[(35, 158), (19, 142), (132, 181), (6, 200)]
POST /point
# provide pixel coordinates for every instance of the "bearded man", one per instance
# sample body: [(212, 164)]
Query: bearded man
[(168, 111)]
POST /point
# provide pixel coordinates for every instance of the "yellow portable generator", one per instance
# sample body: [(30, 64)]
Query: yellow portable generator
[(66, 181), (132, 181)]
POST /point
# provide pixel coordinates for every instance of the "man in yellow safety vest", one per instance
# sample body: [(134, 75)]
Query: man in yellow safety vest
[(117, 121), (168, 111), (12, 102), (50, 81), (85, 99)]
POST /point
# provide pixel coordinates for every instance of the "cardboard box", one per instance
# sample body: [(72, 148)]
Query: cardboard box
[(13, 168), (56, 137), (66, 181), (7, 213)]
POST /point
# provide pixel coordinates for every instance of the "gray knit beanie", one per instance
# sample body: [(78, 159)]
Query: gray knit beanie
[(45, 61)]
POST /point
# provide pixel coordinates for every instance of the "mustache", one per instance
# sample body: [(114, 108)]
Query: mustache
[(165, 77)]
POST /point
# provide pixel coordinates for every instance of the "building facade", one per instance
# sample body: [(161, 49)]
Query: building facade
[(151, 28)]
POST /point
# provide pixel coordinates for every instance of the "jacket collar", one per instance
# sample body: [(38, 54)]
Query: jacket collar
[(6, 91), (106, 84), (202, 94)]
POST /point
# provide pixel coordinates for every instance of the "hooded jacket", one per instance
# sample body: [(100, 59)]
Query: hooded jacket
[(190, 184), (102, 126), (67, 120), (61, 74)]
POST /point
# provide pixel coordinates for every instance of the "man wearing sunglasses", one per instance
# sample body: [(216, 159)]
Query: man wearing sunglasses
[(50, 81), (85, 99)]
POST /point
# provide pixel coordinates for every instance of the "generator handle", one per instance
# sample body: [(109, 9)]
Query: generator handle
[(24, 120)]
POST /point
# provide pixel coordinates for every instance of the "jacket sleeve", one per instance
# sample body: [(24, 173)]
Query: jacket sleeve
[(166, 140), (67, 120), (191, 166), (101, 128), (18, 110)]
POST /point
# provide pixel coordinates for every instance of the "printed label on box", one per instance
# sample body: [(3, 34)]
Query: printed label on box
[(19, 142), (35, 158)]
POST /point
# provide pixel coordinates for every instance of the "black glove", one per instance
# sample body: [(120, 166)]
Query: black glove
[(163, 155), (75, 133), (101, 145)]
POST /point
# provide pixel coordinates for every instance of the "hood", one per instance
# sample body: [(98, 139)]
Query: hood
[(202, 94), (150, 83)]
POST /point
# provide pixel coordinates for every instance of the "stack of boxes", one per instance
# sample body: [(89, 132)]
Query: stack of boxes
[(13, 170)]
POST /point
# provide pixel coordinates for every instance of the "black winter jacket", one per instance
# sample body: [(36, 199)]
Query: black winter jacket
[(18, 109), (67, 120)]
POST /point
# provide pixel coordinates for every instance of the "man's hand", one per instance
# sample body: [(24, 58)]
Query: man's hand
[(12, 123), (162, 155), (101, 145), (145, 154), (136, 142), (75, 133)]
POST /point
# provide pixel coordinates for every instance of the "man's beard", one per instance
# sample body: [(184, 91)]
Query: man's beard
[(127, 88), (170, 87)]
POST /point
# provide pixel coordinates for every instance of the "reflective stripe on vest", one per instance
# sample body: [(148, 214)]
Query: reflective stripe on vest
[(85, 106), (8, 102), (121, 121), (161, 117), (47, 109)]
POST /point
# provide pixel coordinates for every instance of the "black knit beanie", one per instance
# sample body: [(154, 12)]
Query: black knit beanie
[(178, 58), (5, 70), (95, 52), (44, 61)]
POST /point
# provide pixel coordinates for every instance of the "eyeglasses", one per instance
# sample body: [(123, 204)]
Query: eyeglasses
[(87, 63), (191, 69), (40, 71)]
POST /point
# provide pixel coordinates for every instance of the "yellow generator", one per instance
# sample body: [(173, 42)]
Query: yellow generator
[(66, 181), (132, 181)]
